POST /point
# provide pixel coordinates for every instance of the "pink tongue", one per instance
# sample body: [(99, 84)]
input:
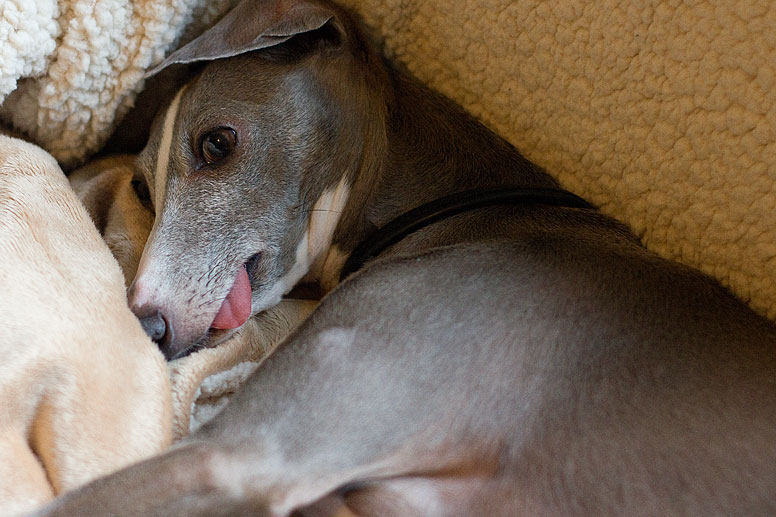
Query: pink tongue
[(236, 308)]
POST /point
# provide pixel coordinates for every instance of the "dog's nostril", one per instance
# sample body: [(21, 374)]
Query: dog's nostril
[(159, 328), (155, 326)]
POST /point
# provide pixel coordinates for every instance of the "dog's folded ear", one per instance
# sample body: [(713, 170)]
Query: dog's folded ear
[(253, 25)]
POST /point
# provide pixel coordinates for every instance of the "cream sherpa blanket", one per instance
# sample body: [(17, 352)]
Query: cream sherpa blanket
[(662, 112)]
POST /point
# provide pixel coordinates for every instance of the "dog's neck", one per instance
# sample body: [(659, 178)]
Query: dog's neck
[(423, 148), (434, 149)]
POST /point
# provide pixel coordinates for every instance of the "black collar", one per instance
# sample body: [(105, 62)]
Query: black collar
[(424, 215)]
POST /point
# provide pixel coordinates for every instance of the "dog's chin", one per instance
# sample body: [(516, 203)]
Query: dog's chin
[(215, 337), (212, 338)]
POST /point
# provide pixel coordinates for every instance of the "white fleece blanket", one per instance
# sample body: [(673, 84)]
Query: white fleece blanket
[(662, 113)]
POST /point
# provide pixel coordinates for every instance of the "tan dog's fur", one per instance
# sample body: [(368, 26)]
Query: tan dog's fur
[(104, 186), (83, 391)]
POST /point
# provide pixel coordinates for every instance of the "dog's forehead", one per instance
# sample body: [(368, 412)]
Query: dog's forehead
[(245, 79), (249, 96), (218, 88)]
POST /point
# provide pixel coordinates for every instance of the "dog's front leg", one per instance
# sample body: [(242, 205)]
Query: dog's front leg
[(343, 400), (282, 447), (252, 343), (174, 484)]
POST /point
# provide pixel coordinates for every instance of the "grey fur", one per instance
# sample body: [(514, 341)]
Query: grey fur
[(514, 360)]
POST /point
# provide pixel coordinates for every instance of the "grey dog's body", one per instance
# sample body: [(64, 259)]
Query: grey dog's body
[(522, 359)]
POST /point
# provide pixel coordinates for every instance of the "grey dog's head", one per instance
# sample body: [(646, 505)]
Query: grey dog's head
[(249, 167)]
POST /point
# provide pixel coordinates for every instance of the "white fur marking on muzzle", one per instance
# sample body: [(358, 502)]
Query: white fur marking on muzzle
[(142, 290), (165, 145)]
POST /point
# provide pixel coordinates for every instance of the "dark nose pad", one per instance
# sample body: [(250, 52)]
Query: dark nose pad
[(160, 330), (155, 326)]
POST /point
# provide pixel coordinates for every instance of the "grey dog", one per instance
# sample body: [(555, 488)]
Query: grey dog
[(515, 358)]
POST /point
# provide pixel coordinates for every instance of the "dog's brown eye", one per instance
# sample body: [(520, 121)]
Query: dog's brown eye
[(217, 144)]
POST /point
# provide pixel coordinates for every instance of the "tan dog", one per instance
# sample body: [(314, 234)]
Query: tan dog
[(83, 391), (105, 186)]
